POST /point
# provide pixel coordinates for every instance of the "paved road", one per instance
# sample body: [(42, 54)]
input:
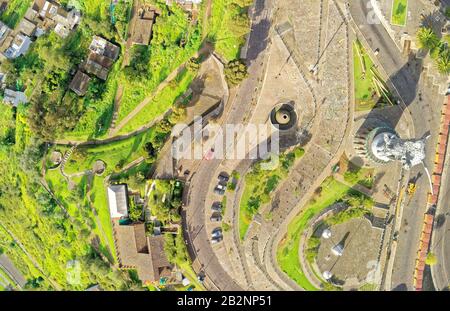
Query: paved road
[(441, 234), (405, 75), (205, 175), (12, 271)]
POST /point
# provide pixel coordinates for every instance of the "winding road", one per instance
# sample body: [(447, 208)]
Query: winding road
[(198, 238)]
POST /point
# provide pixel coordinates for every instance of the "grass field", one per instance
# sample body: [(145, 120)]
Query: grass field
[(287, 253), (399, 12), (227, 27), (365, 73)]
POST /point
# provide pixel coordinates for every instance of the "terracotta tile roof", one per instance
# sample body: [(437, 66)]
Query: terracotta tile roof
[(145, 254)]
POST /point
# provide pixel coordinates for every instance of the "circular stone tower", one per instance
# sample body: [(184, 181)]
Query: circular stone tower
[(283, 116)]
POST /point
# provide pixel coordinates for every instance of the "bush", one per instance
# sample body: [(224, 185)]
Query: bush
[(235, 72)]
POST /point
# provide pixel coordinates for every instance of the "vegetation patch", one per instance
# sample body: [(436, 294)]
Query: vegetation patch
[(370, 89), (439, 48), (399, 12), (259, 184), (228, 26)]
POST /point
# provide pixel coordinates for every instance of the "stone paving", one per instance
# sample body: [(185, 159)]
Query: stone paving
[(333, 96)]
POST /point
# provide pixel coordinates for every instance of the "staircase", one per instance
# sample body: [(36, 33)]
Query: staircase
[(64, 160)]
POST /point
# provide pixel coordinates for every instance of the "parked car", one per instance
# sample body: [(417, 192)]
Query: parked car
[(220, 190), (217, 207), (216, 217), (216, 240), (216, 233), (223, 178), (377, 50)]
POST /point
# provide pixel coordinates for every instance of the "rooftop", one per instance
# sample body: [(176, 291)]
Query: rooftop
[(80, 83), (118, 201), (142, 30), (137, 251)]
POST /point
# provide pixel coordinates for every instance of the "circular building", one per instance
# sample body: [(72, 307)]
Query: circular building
[(283, 116)]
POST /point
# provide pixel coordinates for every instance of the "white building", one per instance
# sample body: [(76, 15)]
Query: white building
[(118, 201), (18, 47)]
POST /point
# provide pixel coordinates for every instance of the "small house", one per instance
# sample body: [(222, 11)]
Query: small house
[(141, 33), (118, 201), (80, 83)]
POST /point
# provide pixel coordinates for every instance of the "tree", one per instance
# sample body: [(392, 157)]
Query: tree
[(431, 259), (427, 38), (135, 212), (443, 62), (235, 72)]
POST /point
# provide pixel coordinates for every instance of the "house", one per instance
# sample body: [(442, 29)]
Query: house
[(118, 201), (49, 15), (19, 46), (145, 254), (188, 5), (14, 97), (80, 83), (143, 23), (2, 80), (26, 27), (105, 48), (101, 58), (4, 31)]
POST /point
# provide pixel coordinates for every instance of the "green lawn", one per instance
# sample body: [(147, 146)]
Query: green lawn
[(399, 12), (363, 78), (100, 201), (287, 254), (367, 91), (124, 151)]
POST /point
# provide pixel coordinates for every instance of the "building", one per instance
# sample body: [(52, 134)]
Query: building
[(101, 58), (14, 98), (26, 27), (188, 5), (48, 15), (145, 254), (19, 46), (118, 201), (143, 23), (80, 83), (4, 31)]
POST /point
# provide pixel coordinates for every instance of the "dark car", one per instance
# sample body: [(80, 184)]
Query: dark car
[(217, 207), (216, 233), (216, 217), (223, 178)]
